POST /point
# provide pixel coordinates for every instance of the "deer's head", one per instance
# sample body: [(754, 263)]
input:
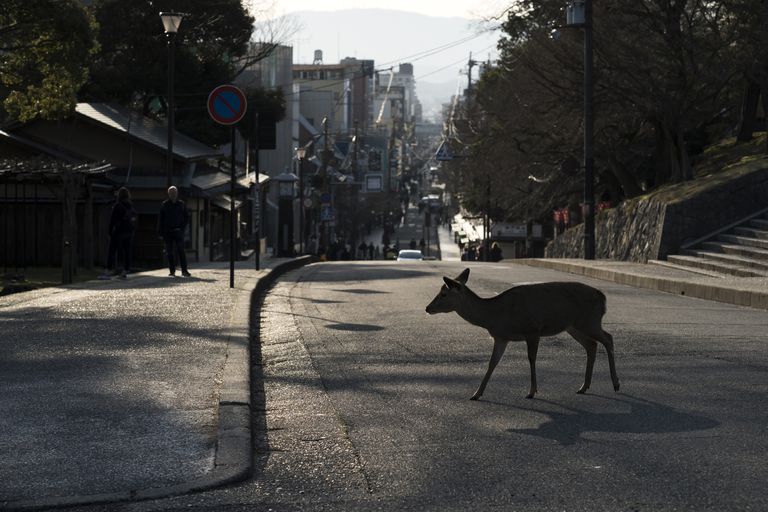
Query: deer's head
[(450, 294)]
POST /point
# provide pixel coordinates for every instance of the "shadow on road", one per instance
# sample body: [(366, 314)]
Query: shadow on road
[(644, 417), (335, 272), (360, 291), (354, 327)]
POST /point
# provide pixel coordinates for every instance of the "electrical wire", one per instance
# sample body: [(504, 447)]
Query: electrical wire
[(451, 64), (432, 51)]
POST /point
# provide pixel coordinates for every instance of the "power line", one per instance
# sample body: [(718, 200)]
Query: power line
[(432, 51), (463, 59)]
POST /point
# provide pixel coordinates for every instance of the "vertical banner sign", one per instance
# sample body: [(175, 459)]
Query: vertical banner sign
[(227, 105)]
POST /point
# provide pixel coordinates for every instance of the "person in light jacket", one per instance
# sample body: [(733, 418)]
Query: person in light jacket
[(172, 224)]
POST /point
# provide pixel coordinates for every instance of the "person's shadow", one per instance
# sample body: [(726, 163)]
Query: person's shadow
[(644, 417)]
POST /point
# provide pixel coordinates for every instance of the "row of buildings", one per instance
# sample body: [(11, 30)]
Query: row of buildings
[(345, 148)]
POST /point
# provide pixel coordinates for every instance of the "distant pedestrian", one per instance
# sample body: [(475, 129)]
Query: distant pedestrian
[(172, 224), (122, 224), (496, 252), (313, 248), (422, 245), (376, 253), (370, 250), (412, 243)]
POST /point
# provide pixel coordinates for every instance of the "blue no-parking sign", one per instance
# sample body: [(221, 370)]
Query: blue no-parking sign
[(226, 104)]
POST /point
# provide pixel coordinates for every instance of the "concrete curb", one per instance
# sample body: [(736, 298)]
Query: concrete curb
[(702, 288), (233, 460)]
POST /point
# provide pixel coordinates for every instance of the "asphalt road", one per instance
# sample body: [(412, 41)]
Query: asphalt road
[(364, 403)]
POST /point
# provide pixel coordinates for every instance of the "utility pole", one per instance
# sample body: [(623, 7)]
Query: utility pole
[(487, 220), (472, 63), (354, 154), (256, 215), (326, 185)]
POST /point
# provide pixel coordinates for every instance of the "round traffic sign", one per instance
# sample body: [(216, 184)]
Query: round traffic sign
[(226, 104)]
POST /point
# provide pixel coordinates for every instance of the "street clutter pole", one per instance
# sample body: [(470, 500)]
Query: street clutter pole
[(589, 161), (233, 213)]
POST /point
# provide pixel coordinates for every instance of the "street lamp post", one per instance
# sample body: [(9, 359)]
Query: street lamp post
[(579, 15), (589, 160), (171, 22)]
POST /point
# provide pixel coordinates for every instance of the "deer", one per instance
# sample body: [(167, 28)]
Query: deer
[(528, 312)]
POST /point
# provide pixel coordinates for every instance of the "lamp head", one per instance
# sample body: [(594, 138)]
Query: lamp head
[(171, 21)]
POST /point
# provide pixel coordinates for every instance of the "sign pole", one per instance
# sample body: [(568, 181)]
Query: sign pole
[(233, 213), (227, 105)]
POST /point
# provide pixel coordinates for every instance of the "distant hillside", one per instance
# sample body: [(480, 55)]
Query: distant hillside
[(391, 37)]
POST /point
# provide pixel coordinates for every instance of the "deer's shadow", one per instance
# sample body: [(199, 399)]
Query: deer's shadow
[(644, 417)]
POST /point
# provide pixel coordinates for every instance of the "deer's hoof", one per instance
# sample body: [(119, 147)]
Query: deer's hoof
[(529, 396), (616, 387), (581, 391), (475, 397)]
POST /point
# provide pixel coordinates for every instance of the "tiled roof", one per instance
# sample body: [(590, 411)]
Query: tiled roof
[(145, 129)]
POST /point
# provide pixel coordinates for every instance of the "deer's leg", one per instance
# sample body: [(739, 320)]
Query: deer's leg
[(607, 341), (590, 346), (533, 349), (499, 346)]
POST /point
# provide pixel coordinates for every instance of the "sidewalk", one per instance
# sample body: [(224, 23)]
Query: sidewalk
[(742, 291), (86, 384)]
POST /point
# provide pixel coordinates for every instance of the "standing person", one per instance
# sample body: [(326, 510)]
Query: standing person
[(122, 224), (495, 252), (172, 223)]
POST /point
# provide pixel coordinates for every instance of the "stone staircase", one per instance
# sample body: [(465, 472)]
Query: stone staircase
[(738, 250)]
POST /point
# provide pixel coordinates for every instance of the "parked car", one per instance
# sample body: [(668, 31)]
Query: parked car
[(409, 255)]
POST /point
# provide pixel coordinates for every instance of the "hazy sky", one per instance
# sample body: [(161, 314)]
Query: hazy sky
[(438, 48), (445, 8)]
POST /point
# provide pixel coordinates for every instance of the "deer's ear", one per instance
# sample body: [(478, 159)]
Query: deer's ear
[(462, 278), (451, 283)]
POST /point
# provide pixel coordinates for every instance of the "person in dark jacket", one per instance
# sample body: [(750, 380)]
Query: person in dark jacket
[(122, 224), (496, 252), (172, 224)]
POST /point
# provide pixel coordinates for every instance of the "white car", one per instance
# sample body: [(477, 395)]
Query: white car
[(409, 255)]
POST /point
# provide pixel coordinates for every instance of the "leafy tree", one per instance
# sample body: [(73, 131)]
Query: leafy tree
[(667, 80), (46, 46), (752, 24), (211, 48), (270, 107)]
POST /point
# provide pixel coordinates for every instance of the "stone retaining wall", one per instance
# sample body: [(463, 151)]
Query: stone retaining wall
[(652, 227)]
